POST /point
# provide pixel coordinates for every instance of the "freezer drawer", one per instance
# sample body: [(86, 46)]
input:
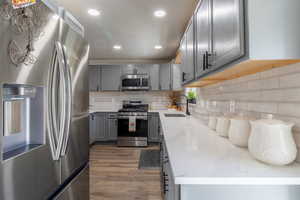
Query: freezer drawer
[(78, 189)]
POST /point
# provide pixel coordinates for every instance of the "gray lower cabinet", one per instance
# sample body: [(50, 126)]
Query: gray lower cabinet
[(170, 190), (112, 126), (110, 77), (103, 127), (165, 76), (94, 78), (153, 127), (92, 132), (98, 126)]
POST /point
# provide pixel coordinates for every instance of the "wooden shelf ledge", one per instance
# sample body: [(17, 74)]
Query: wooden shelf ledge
[(243, 69)]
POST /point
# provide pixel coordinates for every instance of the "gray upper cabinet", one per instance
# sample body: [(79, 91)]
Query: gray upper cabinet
[(110, 77), (176, 75), (189, 66), (165, 76), (94, 78), (183, 59), (130, 68), (228, 31), (214, 38), (202, 37), (154, 76)]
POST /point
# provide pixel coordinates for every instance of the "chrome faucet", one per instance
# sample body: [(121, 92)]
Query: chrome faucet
[(187, 112)]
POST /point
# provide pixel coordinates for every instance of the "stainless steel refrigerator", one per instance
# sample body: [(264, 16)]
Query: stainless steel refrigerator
[(44, 127)]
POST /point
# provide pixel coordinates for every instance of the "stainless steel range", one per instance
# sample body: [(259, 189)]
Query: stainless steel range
[(133, 124)]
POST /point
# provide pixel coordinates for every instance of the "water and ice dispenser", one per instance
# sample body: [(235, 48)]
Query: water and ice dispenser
[(23, 119)]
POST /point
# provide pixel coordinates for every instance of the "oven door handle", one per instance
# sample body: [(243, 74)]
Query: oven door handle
[(138, 117)]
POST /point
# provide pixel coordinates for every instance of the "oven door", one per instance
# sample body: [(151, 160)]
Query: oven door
[(137, 138)]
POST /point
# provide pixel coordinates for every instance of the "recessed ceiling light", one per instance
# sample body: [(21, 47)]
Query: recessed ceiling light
[(94, 12), (160, 13), (158, 47), (117, 47)]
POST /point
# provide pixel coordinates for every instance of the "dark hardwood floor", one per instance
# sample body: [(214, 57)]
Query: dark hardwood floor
[(114, 175)]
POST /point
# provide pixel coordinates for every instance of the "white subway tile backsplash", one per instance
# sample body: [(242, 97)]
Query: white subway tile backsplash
[(298, 156), (291, 80), (276, 92), (249, 96), (297, 139), (291, 95), (112, 101), (271, 95), (254, 85), (271, 83), (263, 107), (289, 109)]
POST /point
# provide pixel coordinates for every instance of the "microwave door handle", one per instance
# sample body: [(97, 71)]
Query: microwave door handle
[(62, 99), (68, 104)]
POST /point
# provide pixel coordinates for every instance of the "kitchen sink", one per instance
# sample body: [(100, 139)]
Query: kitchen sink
[(175, 115)]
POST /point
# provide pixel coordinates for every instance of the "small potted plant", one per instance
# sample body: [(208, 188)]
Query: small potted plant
[(191, 97)]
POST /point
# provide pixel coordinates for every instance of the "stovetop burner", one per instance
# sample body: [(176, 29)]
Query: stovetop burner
[(133, 110), (134, 106)]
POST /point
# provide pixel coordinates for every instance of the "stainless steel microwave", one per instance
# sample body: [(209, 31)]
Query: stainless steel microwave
[(135, 82)]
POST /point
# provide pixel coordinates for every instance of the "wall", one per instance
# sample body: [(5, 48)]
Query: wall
[(276, 92), (112, 101)]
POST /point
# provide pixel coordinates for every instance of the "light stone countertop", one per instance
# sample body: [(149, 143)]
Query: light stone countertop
[(199, 156)]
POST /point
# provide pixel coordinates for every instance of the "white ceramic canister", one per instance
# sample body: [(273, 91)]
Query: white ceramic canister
[(223, 126), (239, 131), (212, 123), (271, 141)]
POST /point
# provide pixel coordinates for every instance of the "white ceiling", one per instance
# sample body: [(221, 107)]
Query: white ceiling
[(131, 24)]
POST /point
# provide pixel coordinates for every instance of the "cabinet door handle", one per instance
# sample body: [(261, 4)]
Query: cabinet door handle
[(204, 62), (183, 76), (207, 55)]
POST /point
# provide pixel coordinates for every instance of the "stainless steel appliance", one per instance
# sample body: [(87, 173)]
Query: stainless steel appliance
[(135, 82), (44, 145), (133, 112)]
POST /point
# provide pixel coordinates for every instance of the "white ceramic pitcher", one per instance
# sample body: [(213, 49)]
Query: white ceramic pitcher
[(223, 125), (271, 141), (212, 123), (239, 131)]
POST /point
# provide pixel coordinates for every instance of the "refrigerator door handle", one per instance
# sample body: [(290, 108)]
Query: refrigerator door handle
[(50, 115), (68, 107), (56, 97), (63, 95)]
